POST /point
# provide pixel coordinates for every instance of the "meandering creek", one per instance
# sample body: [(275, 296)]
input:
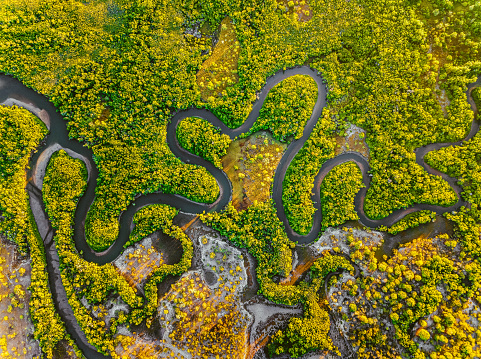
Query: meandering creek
[(13, 92)]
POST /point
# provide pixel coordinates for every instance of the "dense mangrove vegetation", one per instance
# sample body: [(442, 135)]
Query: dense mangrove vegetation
[(403, 75), (287, 108), (338, 190), (199, 137)]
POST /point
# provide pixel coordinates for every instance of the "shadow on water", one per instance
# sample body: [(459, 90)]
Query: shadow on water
[(427, 230), (170, 247)]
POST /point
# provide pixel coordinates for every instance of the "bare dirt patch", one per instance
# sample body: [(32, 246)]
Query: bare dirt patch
[(138, 261), (353, 141), (251, 164), (220, 70), (16, 328)]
